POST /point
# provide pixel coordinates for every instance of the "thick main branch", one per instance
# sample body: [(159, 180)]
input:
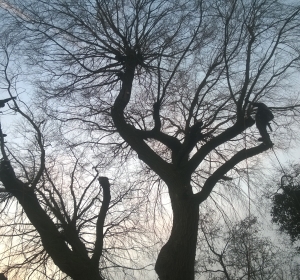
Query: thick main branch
[(225, 136), (72, 263), (100, 221), (228, 165)]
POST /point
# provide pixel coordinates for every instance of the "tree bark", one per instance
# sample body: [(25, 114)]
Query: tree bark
[(177, 257)]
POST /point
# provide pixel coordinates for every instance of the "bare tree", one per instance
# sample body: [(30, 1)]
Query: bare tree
[(240, 251), (169, 82), (73, 218), (56, 208)]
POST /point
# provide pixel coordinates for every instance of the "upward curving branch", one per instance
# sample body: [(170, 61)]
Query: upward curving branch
[(227, 166), (53, 242), (100, 221)]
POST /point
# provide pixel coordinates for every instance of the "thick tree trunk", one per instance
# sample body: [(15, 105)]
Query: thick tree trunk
[(177, 257), (74, 262)]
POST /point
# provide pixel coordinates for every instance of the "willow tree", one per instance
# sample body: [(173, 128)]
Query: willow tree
[(168, 82)]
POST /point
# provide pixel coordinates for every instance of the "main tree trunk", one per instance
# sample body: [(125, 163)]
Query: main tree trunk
[(177, 257)]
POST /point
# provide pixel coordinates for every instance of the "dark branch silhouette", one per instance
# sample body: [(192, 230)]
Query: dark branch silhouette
[(4, 101)]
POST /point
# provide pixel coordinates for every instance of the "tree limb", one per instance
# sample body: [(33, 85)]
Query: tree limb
[(225, 136), (101, 218), (222, 170), (72, 263)]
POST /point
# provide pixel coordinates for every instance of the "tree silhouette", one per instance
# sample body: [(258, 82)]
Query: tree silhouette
[(138, 78), (286, 209)]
